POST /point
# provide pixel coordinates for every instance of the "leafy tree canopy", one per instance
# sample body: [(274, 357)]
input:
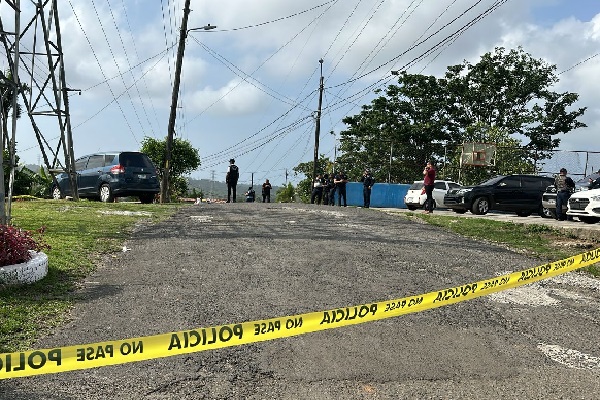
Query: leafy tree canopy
[(184, 160), (505, 98)]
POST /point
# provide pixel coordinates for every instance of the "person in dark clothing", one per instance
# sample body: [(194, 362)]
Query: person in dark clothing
[(368, 182), (266, 191), (317, 192), (564, 187), (428, 183), (250, 195), (595, 183), (331, 184), (340, 186), (326, 189), (233, 174)]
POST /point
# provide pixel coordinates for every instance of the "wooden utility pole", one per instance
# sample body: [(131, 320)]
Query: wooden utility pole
[(164, 190), (317, 128)]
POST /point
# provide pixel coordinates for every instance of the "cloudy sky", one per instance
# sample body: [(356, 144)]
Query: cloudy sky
[(249, 87)]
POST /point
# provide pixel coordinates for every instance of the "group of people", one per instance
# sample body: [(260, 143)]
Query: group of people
[(325, 187), (233, 174)]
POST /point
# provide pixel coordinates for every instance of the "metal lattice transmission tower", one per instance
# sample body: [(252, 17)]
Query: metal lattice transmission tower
[(40, 59)]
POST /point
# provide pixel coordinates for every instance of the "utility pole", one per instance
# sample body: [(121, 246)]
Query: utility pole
[(317, 127), (212, 184), (164, 189)]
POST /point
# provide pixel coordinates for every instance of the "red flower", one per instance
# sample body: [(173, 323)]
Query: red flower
[(15, 245)]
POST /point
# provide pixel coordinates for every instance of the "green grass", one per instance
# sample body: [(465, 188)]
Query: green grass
[(80, 234), (540, 241)]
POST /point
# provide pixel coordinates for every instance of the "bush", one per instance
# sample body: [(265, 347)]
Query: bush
[(15, 245)]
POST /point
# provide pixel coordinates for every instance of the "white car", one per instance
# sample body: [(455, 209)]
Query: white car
[(414, 199), (585, 205)]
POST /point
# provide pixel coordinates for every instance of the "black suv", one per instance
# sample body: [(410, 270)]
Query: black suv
[(517, 193), (104, 176)]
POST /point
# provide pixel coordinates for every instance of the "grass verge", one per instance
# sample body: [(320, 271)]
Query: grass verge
[(540, 241), (80, 235)]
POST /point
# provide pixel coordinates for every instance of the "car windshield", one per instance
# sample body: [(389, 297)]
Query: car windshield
[(492, 181), (586, 181), (135, 160), (416, 186)]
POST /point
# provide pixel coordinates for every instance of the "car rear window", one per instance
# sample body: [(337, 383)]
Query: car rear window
[(416, 186), (139, 160)]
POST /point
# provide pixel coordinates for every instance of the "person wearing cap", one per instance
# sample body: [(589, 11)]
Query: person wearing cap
[(233, 174), (317, 191), (564, 186), (368, 182)]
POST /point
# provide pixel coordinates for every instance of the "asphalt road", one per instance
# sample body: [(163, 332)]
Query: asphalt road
[(226, 263)]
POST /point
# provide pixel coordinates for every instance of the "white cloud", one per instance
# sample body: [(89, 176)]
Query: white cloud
[(284, 55)]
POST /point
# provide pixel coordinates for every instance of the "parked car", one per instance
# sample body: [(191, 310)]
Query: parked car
[(104, 176), (521, 194), (549, 197), (585, 205), (414, 199)]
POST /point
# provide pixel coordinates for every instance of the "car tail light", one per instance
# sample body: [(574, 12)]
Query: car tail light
[(117, 169)]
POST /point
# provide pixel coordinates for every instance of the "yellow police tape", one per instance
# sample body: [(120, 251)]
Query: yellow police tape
[(70, 358)]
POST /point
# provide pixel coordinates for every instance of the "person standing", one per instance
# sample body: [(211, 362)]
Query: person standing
[(331, 185), (564, 186), (428, 183), (233, 174), (340, 186), (368, 182), (266, 191), (317, 191), (326, 189)]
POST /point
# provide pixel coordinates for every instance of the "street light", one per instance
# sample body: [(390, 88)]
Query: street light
[(202, 28)]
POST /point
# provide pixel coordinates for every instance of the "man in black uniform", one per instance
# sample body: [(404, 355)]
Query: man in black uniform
[(331, 186), (233, 174), (317, 192), (368, 182), (564, 187), (326, 189), (266, 191), (340, 186)]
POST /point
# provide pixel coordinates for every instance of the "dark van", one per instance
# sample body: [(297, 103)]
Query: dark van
[(104, 176), (521, 194)]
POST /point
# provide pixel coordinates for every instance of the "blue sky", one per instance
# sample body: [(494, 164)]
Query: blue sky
[(249, 87)]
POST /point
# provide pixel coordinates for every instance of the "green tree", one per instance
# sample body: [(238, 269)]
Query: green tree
[(285, 194), (304, 188), (504, 99), (511, 91), (184, 160)]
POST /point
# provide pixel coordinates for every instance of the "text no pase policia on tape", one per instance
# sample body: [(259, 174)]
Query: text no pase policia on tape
[(70, 358)]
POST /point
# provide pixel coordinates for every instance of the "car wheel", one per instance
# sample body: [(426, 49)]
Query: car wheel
[(106, 195), (56, 195), (459, 211), (589, 220), (147, 198), (481, 206), (523, 213), (545, 212)]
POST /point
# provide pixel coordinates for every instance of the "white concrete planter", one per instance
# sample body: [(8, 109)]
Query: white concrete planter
[(27, 272)]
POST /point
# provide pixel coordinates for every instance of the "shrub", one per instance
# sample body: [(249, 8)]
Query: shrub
[(16, 243)]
